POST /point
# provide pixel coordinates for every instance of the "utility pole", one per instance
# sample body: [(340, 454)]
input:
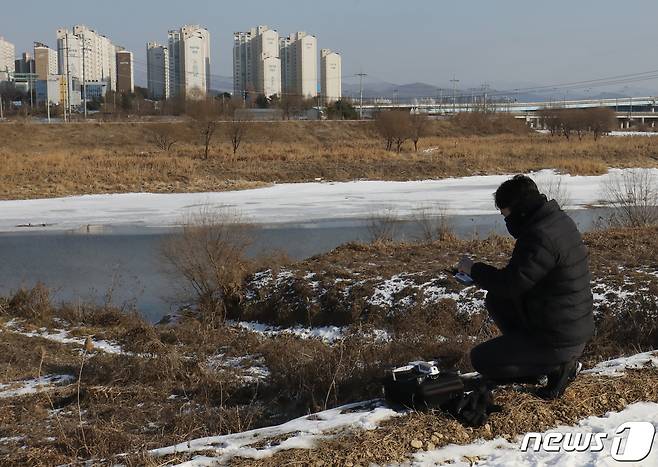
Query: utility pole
[(68, 77), (485, 88), (361, 76), (454, 82), (84, 76)]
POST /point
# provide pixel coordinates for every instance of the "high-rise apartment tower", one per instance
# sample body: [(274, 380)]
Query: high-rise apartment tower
[(157, 69)]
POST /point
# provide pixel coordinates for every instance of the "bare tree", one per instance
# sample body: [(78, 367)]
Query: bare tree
[(634, 195), (237, 130), (419, 126), (204, 114), (162, 137), (207, 129), (209, 254), (601, 121), (395, 127), (550, 119)]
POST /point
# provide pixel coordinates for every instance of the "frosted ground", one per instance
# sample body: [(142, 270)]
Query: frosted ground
[(280, 203)]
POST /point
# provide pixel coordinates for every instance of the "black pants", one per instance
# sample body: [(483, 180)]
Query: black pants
[(516, 356)]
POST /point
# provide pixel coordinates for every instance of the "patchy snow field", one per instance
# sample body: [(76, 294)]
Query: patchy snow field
[(300, 433), (300, 202), (304, 432)]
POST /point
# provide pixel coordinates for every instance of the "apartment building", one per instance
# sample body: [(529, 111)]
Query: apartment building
[(157, 70), (125, 72), (256, 62), (25, 64), (330, 76), (7, 56), (85, 55), (299, 55), (189, 61), (45, 61)]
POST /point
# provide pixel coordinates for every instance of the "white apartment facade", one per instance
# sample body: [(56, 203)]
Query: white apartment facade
[(256, 62), (189, 61), (330, 76), (45, 61), (196, 60), (157, 71), (7, 59), (85, 55), (299, 56)]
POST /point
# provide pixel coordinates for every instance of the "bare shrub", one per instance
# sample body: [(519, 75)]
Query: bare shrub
[(486, 123), (32, 304), (236, 132), (419, 126), (601, 120), (551, 185), (394, 126), (434, 223), (162, 138), (633, 194), (209, 254), (204, 114), (382, 225)]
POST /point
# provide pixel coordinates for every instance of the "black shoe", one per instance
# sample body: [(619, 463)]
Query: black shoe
[(558, 381)]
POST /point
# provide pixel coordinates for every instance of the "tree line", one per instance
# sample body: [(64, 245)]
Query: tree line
[(567, 122)]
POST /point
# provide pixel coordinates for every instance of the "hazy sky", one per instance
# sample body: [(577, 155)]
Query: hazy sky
[(503, 42)]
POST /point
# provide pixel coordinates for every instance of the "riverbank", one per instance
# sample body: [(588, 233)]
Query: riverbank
[(42, 161), (89, 382)]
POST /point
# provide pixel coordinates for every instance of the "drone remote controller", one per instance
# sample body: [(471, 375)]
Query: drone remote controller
[(464, 279)]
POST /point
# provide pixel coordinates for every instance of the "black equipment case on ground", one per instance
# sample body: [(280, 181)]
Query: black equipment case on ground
[(421, 385)]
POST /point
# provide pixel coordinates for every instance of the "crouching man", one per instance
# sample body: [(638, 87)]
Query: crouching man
[(542, 300)]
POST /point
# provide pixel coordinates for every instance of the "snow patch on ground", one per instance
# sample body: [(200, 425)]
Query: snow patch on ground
[(252, 368), (300, 433), (385, 293), (617, 366), (284, 203), (328, 334), (500, 452), (633, 133), (32, 386), (64, 337)]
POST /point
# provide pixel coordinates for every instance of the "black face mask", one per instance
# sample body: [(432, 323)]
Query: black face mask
[(520, 214), (513, 225)]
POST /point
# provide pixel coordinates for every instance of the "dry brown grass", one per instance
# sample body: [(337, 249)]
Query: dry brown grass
[(47, 161)]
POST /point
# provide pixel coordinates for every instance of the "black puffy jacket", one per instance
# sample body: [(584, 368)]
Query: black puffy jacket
[(547, 278)]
